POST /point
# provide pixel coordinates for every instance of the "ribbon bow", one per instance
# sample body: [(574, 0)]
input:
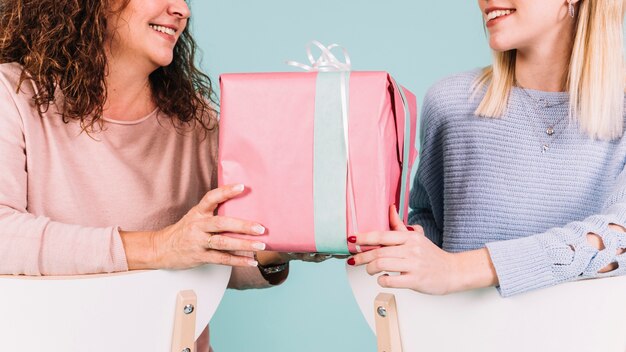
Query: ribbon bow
[(327, 62)]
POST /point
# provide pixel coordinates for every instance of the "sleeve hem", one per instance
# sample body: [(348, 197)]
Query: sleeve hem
[(118, 254), (521, 265)]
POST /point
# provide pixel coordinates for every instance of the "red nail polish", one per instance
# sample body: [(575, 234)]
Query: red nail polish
[(410, 228), (351, 261), (352, 239)]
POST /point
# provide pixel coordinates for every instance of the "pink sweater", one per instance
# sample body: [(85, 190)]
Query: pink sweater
[(65, 193)]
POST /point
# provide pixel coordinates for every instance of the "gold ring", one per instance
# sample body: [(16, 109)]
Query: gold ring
[(208, 242)]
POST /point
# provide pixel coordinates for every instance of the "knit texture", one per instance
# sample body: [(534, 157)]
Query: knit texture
[(64, 194), (487, 182)]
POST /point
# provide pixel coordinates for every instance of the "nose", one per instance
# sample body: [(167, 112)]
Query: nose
[(180, 9)]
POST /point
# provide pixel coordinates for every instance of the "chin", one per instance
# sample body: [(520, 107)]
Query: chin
[(162, 61), (499, 45)]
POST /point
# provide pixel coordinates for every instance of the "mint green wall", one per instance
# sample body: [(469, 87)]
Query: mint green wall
[(418, 42)]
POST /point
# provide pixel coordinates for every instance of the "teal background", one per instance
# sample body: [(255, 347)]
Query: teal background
[(418, 42)]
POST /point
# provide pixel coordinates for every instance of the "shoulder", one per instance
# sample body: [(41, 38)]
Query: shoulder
[(450, 97), (10, 74), (456, 89), (9, 81), (10, 101)]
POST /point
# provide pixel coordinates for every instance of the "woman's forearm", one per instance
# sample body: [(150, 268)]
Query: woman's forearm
[(474, 269), (140, 249)]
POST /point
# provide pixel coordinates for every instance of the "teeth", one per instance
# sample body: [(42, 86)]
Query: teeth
[(495, 14), (163, 29)]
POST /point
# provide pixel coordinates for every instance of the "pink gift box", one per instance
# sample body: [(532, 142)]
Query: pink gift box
[(274, 139)]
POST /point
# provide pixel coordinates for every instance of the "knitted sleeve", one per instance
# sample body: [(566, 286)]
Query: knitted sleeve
[(429, 173), (36, 245), (563, 254)]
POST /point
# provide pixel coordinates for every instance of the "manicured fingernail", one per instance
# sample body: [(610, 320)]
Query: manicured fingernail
[(258, 229), (351, 261), (239, 188), (352, 239), (253, 263), (410, 228), (259, 246)]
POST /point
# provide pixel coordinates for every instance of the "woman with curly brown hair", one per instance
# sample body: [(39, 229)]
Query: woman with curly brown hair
[(108, 145)]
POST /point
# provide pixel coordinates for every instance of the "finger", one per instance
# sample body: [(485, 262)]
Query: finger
[(215, 224), (219, 195), (416, 229), (383, 252), (225, 243), (225, 258), (395, 222), (396, 265), (395, 281), (385, 238)]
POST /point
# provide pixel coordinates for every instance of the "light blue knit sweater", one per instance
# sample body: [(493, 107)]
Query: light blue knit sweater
[(487, 182)]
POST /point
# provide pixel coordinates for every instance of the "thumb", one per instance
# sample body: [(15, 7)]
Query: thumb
[(395, 222)]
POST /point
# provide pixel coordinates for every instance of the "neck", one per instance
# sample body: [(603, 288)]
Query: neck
[(129, 96), (545, 66)]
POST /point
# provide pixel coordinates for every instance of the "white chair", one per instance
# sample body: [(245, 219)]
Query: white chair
[(584, 316), (134, 311)]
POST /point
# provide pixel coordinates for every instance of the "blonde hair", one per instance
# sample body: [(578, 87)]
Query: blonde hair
[(596, 79)]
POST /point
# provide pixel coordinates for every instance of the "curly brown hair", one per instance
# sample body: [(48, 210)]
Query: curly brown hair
[(61, 45)]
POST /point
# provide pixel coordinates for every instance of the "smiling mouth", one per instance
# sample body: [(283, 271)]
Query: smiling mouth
[(166, 30), (492, 15)]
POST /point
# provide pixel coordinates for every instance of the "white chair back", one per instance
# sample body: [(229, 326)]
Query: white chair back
[(584, 316), (131, 311)]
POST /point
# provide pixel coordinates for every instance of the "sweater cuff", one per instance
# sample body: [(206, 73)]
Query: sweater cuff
[(118, 255), (521, 265)]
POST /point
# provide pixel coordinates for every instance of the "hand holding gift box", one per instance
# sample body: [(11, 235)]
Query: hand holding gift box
[(323, 154)]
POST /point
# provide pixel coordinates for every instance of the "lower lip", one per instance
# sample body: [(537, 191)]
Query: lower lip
[(170, 38), (498, 20)]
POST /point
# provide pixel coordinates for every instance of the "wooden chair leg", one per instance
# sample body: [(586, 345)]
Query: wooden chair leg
[(387, 328), (183, 338)]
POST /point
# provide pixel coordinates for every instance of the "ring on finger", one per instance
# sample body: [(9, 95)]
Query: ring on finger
[(208, 242)]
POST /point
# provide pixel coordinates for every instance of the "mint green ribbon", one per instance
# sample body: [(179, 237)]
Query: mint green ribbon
[(331, 176), (330, 162)]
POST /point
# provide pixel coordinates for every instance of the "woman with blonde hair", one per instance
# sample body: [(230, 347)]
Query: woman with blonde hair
[(521, 182)]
